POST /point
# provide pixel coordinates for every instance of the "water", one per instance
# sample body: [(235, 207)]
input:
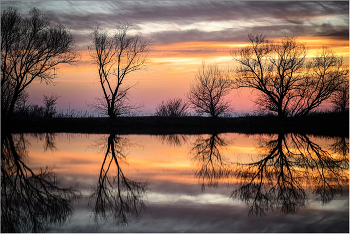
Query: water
[(174, 183)]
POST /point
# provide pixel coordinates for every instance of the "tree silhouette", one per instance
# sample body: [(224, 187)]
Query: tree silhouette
[(30, 50), (30, 201), (210, 164), (116, 57), (116, 196), (286, 83), (207, 92), (287, 164)]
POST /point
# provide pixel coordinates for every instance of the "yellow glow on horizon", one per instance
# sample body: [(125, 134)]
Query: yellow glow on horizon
[(313, 44), (191, 54)]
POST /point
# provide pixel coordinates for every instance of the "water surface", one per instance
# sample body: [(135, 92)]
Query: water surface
[(174, 183)]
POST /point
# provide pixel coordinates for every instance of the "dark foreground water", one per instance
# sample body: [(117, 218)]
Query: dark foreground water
[(174, 183)]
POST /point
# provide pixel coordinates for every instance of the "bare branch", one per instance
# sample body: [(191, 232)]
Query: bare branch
[(30, 50), (207, 93), (286, 83), (172, 108), (117, 55)]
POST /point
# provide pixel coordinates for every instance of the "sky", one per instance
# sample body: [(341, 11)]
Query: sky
[(183, 34)]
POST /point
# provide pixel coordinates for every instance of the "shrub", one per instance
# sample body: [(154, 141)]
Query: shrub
[(175, 107)]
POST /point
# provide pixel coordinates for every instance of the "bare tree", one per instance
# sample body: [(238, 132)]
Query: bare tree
[(209, 89), (286, 82), (176, 107), (117, 56), (30, 50), (123, 106), (50, 105)]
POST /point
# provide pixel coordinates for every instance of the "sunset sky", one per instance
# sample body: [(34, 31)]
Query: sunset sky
[(183, 33)]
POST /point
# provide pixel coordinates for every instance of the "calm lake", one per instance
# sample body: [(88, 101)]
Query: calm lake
[(174, 183)]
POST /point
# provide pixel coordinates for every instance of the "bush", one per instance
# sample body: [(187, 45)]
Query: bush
[(23, 109), (172, 108), (50, 105)]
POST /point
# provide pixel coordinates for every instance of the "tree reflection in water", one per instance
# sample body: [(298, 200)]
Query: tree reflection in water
[(30, 201), (49, 141), (288, 166), (211, 166), (173, 140), (116, 196), (340, 146)]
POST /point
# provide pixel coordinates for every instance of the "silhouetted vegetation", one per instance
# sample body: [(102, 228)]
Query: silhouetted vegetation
[(340, 99), (23, 109), (115, 195), (175, 107), (340, 146), (31, 201), (211, 166), (208, 91), (288, 163), (321, 123), (30, 50), (286, 83), (116, 56), (174, 140)]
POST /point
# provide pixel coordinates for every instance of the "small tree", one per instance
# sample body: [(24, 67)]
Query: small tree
[(176, 107), (50, 105), (30, 50), (24, 109), (117, 55), (207, 92)]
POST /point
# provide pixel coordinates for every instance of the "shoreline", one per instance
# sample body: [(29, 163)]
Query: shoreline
[(328, 124)]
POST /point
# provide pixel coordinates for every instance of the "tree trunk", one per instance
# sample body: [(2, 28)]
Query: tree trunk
[(111, 113), (281, 114), (9, 112)]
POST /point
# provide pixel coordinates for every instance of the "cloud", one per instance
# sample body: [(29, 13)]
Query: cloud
[(183, 12), (277, 19), (336, 32), (240, 34), (212, 218), (188, 11)]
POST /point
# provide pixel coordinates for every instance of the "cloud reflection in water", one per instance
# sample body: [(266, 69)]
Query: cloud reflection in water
[(177, 203)]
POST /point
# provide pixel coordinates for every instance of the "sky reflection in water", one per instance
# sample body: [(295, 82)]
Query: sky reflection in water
[(174, 183)]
